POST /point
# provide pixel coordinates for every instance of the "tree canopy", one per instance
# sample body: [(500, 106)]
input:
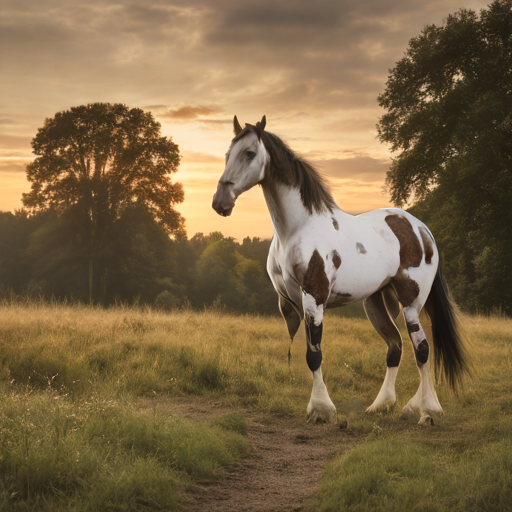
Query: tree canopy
[(95, 163), (103, 158), (449, 124)]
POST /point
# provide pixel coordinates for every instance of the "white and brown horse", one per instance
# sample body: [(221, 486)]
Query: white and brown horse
[(322, 257)]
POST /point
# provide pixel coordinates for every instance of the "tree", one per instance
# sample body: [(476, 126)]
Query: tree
[(14, 239), (449, 123), (225, 277), (94, 162)]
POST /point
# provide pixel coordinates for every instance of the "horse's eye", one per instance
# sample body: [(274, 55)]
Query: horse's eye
[(250, 154)]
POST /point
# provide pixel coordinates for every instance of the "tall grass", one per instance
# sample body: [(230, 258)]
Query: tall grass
[(103, 455), (464, 463), (72, 437)]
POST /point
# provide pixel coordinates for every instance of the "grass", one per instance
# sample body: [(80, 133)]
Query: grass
[(464, 463), (94, 454), (72, 434), (74, 437)]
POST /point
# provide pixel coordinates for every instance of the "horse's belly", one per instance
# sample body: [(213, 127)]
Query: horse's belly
[(358, 280)]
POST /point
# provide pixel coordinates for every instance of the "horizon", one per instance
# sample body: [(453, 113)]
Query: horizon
[(315, 71)]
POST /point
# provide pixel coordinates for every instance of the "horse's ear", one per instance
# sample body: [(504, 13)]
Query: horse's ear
[(236, 126), (262, 123)]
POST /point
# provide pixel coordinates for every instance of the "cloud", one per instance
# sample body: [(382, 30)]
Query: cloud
[(352, 124), (7, 121), (190, 112), (17, 166), (8, 141), (359, 167), (324, 56), (155, 107), (197, 157)]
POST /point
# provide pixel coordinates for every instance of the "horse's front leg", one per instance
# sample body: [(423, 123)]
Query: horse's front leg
[(320, 407)]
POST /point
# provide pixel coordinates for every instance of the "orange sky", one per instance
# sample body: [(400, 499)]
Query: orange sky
[(314, 68)]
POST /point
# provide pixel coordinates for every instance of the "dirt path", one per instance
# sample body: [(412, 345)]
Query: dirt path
[(283, 470)]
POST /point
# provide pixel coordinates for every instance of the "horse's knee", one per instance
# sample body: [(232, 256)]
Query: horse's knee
[(314, 351), (313, 313), (313, 340), (418, 338)]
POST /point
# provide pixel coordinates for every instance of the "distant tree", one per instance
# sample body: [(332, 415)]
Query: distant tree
[(256, 249), (15, 270), (58, 257), (449, 123), (140, 260), (94, 162), (225, 277)]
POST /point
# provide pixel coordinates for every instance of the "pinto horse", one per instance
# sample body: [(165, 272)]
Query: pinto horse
[(322, 257)]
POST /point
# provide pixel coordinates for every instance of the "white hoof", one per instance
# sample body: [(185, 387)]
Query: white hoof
[(321, 411), (431, 406), (382, 404), (409, 411), (320, 407), (427, 407), (426, 420), (386, 399)]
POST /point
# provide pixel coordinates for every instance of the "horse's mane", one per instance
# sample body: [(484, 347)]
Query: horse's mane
[(290, 169)]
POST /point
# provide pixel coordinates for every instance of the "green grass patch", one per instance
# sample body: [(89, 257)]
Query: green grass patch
[(104, 455), (463, 463), (404, 475)]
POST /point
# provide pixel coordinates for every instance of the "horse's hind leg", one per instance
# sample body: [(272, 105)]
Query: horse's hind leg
[(292, 319), (425, 401), (382, 308)]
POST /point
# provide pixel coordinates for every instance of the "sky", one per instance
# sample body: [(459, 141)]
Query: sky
[(314, 69)]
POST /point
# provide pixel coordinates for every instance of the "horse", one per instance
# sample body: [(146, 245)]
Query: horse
[(322, 257)]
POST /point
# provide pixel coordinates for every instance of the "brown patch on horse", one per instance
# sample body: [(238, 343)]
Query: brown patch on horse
[(427, 245), (360, 248), (411, 255), (406, 288), (410, 248), (335, 224), (413, 327), (315, 282), (336, 259)]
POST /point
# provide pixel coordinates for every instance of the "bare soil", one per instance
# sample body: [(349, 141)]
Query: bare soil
[(283, 471)]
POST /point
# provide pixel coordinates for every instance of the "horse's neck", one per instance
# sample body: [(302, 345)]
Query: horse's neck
[(287, 212)]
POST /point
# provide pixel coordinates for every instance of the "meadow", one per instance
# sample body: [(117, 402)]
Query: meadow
[(87, 419)]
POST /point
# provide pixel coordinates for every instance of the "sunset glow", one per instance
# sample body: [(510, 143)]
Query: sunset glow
[(314, 69)]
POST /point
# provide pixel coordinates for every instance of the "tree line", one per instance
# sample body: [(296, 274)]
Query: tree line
[(42, 255)]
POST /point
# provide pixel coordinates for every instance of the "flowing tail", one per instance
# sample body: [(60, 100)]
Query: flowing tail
[(450, 353)]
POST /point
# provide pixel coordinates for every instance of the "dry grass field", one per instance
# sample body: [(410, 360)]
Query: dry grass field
[(88, 419)]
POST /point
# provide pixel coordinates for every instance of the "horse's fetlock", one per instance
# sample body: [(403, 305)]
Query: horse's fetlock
[(421, 352)]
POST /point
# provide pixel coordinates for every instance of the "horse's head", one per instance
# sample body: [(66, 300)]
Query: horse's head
[(246, 160)]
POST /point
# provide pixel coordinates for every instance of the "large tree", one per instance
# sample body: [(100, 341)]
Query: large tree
[(96, 161), (449, 123)]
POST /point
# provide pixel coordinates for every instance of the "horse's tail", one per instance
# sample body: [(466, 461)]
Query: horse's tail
[(450, 353)]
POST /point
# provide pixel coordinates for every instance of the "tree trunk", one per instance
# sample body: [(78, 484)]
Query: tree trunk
[(90, 278)]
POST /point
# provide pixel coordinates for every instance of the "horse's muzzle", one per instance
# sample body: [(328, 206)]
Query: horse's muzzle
[(223, 200)]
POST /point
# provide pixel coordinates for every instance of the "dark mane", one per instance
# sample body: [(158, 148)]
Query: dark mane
[(290, 169)]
